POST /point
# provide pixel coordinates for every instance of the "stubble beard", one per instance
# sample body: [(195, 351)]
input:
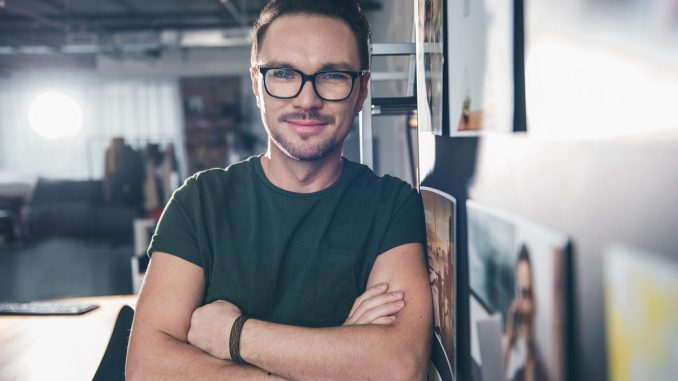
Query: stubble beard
[(304, 150)]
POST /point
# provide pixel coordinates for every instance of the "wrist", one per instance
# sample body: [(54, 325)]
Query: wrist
[(247, 351), (234, 339)]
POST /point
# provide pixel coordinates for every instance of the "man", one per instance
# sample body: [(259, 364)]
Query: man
[(297, 264)]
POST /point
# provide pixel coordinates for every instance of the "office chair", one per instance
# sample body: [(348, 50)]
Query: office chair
[(112, 366)]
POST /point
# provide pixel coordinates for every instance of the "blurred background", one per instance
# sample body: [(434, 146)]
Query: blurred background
[(107, 106)]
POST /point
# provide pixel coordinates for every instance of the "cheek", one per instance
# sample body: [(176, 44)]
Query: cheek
[(345, 117), (267, 107)]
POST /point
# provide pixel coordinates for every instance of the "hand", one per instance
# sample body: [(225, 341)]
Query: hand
[(376, 306), (210, 328)]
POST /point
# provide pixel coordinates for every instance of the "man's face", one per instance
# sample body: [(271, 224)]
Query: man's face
[(307, 127)]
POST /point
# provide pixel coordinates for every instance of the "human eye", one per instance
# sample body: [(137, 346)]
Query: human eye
[(335, 76), (283, 74)]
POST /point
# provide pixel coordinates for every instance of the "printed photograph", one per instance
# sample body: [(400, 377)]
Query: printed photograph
[(517, 299), (480, 65), (641, 314), (439, 208), (430, 58)]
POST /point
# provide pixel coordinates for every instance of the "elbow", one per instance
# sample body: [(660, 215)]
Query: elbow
[(132, 375), (132, 370), (135, 372), (410, 362), (409, 368), (406, 365)]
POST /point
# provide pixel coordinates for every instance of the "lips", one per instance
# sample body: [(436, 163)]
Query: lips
[(306, 126), (305, 122)]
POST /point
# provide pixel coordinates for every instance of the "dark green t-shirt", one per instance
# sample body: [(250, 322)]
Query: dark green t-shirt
[(284, 257)]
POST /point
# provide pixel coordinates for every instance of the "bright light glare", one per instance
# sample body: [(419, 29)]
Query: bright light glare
[(55, 115), (572, 87)]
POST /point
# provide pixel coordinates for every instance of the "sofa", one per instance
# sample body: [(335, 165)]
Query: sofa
[(76, 208)]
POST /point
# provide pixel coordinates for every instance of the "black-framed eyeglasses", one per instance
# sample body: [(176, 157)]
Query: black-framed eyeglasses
[(330, 85)]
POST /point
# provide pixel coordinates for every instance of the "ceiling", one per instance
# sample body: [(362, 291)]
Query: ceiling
[(44, 31), (55, 23)]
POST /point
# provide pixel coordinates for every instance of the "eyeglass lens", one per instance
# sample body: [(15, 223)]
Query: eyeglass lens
[(286, 83)]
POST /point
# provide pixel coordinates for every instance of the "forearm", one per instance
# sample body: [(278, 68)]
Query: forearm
[(159, 356), (358, 352)]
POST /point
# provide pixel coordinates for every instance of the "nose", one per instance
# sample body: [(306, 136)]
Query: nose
[(307, 98)]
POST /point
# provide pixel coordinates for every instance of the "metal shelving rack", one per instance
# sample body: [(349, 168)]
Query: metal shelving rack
[(386, 105)]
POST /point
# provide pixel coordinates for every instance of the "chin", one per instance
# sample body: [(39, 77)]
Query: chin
[(307, 155), (306, 151)]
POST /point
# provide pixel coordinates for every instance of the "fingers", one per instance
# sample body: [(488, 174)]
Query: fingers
[(377, 302), (383, 314), (375, 290), (385, 320), (379, 307)]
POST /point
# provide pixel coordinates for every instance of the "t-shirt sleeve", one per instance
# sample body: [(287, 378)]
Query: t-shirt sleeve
[(176, 232), (407, 221)]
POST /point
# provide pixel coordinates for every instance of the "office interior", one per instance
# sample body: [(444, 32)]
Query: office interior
[(558, 119)]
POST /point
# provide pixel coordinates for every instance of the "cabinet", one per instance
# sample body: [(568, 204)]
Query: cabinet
[(211, 120)]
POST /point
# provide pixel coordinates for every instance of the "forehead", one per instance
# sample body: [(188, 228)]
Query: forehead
[(309, 42)]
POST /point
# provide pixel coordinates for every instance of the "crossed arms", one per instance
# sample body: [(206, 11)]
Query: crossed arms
[(174, 338)]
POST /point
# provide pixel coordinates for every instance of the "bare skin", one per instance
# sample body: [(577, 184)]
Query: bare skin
[(374, 306)]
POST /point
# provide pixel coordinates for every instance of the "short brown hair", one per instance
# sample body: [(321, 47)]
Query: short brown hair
[(348, 11)]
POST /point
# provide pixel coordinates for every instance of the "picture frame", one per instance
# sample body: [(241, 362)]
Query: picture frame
[(518, 296), (430, 60), (440, 214), (480, 66), (641, 311)]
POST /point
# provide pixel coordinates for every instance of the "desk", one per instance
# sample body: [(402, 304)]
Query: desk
[(58, 347)]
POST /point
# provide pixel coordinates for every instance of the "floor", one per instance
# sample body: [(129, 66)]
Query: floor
[(63, 267)]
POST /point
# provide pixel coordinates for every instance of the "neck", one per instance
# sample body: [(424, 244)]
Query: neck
[(301, 176)]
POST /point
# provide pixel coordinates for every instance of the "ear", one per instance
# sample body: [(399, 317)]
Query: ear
[(254, 76), (362, 94)]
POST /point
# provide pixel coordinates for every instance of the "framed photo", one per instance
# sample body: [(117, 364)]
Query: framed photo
[(641, 314), (429, 32), (480, 66), (440, 209), (517, 300)]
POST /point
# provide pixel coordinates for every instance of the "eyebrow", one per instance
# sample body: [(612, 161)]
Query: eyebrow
[(325, 67)]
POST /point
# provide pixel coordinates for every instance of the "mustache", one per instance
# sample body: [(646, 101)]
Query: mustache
[(311, 115)]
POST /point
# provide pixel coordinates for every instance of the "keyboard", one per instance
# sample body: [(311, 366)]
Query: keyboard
[(45, 308)]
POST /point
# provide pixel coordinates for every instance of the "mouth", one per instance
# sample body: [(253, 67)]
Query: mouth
[(306, 126)]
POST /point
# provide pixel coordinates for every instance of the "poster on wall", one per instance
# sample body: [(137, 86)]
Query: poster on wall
[(517, 301), (429, 36), (439, 209), (641, 314), (480, 65)]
